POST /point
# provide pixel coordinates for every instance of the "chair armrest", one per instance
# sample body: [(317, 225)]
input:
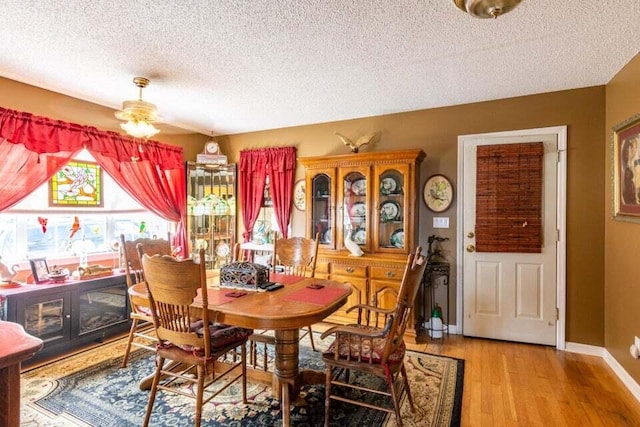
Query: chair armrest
[(370, 308), (369, 315), (359, 331)]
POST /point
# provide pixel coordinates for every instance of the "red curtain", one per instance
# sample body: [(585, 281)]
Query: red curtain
[(22, 171), (281, 168), (33, 148), (253, 174)]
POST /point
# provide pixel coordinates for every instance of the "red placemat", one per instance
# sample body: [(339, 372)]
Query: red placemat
[(316, 296), (216, 296), (285, 279)]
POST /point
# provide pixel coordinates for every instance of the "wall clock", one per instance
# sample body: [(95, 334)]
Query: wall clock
[(438, 193)]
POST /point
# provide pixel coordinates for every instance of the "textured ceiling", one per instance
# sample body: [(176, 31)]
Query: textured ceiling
[(237, 66)]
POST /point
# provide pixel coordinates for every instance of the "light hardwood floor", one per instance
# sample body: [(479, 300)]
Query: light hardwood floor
[(513, 384)]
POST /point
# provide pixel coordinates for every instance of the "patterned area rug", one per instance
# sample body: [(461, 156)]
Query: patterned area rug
[(90, 389)]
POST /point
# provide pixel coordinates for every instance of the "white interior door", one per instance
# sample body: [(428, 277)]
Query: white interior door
[(511, 296)]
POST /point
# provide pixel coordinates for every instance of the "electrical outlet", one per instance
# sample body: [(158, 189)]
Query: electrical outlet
[(636, 342)]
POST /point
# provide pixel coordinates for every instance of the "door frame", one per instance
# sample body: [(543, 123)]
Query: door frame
[(561, 217)]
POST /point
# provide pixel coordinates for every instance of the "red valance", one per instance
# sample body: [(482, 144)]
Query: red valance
[(33, 148), (43, 135)]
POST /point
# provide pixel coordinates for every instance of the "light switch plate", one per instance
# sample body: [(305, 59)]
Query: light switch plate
[(440, 222)]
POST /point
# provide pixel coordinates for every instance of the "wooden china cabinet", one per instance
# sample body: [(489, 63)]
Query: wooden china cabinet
[(370, 198)]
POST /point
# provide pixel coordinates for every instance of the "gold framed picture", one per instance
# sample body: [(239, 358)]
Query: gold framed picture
[(625, 170), (438, 193)]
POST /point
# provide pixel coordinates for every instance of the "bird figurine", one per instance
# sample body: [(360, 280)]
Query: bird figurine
[(355, 146), (43, 222), (74, 227), (353, 247)]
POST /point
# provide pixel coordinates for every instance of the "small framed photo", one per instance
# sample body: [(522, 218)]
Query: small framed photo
[(39, 269), (625, 141)]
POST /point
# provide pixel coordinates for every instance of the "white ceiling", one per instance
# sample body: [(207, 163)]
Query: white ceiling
[(233, 66)]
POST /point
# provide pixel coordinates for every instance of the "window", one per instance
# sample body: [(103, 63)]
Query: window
[(23, 236)]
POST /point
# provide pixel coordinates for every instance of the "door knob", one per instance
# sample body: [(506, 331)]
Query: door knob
[(471, 235), (471, 248)]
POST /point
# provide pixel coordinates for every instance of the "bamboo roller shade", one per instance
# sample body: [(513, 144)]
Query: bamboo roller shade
[(509, 198)]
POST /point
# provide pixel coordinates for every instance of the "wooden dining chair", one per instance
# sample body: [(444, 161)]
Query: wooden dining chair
[(141, 333), (374, 350), (296, 256), (189, 337)]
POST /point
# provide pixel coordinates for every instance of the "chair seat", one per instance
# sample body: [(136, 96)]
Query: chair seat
[(222, 336), (368, 349), (140, 309)]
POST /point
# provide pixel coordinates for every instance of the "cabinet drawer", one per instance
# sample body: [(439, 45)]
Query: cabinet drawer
[(348, 270), (387, 273)]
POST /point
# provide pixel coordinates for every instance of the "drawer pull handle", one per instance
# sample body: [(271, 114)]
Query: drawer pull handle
[(391, 274), (349, 269)]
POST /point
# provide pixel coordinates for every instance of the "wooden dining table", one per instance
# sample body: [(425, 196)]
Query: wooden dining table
[(284, 311)]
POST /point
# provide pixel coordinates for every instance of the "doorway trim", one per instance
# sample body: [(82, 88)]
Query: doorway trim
[(561, 217)]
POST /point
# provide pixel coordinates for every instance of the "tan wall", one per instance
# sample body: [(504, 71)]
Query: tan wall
[(436, 132), (622, 239)]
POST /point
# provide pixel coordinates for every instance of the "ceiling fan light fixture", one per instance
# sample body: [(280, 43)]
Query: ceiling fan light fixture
[(486, 8), (139, 129), (138, 114)]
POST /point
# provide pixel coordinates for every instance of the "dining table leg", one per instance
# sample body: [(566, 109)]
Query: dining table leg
[(286, 380)]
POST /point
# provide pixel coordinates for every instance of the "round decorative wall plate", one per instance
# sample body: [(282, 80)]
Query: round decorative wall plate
[(360, 236), (357, 210), (359, 187), (397, 238), (389, 211), (438, 193), (389, 185), (299, 195)]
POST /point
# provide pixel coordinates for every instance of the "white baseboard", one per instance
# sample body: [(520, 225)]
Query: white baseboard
[(617, 368), (591, 350), (624, 376)]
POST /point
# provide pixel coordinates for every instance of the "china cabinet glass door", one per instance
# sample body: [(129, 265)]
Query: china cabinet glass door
[(322, 207), (354, 221), (390, 189), (211, 211)]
